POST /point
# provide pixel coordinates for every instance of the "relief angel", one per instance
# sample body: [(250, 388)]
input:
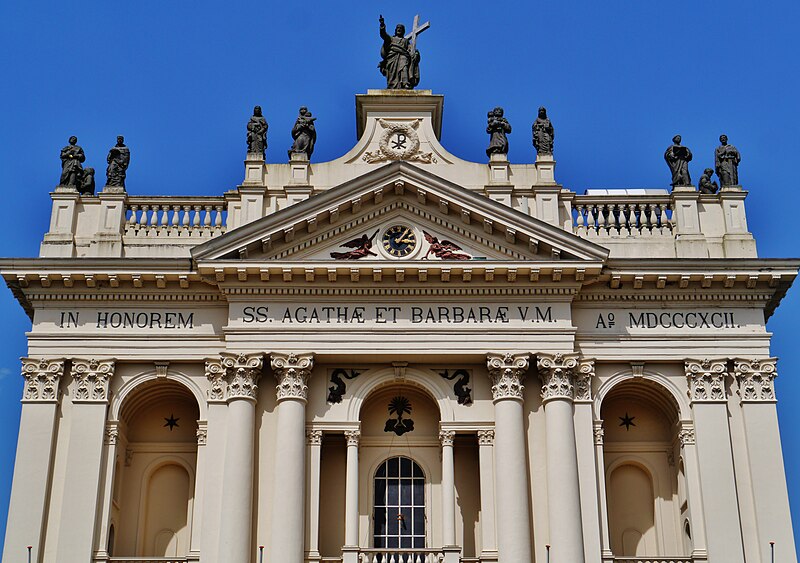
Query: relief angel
[(444, 250), (362, 246)]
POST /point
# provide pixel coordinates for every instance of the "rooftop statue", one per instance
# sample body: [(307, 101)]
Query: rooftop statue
[(497, 126), (257, 133), (706, 185), (119, 157), (71, 169), (87, 182), (726, 162), (304, 134), (543, 134), (678, 158), (400, 58)]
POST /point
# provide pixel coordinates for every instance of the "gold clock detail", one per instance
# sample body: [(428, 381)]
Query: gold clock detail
[(399, 240)]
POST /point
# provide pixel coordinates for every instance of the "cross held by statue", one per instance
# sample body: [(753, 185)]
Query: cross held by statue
[(416, 29)]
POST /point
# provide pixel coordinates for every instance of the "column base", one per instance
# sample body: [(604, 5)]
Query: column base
[(452, 553), (489, 556), (313, 556), (350, 554)]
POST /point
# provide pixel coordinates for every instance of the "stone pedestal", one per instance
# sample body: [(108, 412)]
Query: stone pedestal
[(255, 170), (737, 241), (689, 239), (59, 241), (107, 241), (547, 204), (300, 169), (545, 169), (252, 202)]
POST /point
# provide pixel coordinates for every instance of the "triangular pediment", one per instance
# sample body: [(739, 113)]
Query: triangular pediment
[(399, 206)]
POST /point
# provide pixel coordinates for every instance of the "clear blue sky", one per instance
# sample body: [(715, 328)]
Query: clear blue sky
[(179, 80)]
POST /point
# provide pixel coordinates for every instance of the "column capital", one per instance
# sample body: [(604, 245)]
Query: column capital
[(314, 437), (706, 380), (486, 437), (215, 373), (599, 432), (112, 434), (292, 372), (202, 432), (557, 372), (756, 379), (91, 380), (42, 378), (353, 437), (583, 381), (447, 437), (242, 374), (507, 372), (686, 433)]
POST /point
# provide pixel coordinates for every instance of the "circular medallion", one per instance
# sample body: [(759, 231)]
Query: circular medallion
[(399, 241)]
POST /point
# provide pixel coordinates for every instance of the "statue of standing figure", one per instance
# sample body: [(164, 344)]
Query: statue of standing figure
[(400, 58), (543, 134), (498, 127), (726, 163), (71, 168), (678, 158), (257, 133), (119, 157), (304, 134)]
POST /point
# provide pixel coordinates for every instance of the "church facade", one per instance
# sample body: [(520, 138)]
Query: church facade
[(399, 356)]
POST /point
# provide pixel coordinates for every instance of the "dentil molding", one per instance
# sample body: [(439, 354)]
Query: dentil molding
[(507, 372)]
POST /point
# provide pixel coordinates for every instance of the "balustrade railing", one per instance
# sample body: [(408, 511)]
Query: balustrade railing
[(618, 215), (400, 555), (170, 217)]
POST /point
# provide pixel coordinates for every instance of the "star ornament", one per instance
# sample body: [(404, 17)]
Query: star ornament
[(627, 421), (171, 422)]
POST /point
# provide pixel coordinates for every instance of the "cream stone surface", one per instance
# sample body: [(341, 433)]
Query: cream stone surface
[(589, 372)]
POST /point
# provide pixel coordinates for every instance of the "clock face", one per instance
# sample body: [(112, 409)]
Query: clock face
[(399, 240)]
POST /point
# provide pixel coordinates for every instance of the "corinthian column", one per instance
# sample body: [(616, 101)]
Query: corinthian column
[(557, 372), (511, 476), (242, 372), (288, 519), (33, 466), (709, 399)]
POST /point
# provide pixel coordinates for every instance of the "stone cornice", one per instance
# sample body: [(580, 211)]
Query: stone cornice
[(507, 371), (42, 378), (91, 380), (756, 379), (292, 372)]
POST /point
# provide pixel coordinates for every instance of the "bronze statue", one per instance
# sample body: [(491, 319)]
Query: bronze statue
[(87, 182), (362, 246), (543, 134), (726, 162), (304, 134), (400, 58), (119, 157), (497, 126), (257, 133), (706, 184), (71, 168), (678, 158), (444, 250)]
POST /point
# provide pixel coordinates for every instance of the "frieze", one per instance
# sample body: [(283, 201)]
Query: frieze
[(756, 379), (42, 378)]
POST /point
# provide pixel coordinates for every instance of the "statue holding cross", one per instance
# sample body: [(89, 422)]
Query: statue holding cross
[(400, 58)]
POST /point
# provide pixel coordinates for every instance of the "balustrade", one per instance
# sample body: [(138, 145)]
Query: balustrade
[(622, 215), (400, 555), (167, 217)]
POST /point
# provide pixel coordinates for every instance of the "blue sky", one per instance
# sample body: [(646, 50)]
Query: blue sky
[(179, 80)]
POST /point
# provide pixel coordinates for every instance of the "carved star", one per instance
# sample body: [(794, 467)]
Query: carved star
[(627, 421), (171, 422)]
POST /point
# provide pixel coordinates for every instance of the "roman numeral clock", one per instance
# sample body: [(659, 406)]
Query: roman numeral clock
[(399, 240)]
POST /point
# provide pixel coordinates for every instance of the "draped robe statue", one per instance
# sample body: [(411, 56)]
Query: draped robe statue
[(257, 133), (71, 158), (678, 158), (304, 134), (497, 126), (119, 157), (399, 65), (726, 163), (543, 133)]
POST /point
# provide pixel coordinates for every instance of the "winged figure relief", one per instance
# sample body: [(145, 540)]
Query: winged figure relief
[(362, 246), (444, 250)]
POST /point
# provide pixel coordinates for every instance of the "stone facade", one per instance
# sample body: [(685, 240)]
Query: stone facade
[(570, 375)]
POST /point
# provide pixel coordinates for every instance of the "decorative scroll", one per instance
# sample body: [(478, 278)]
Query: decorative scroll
[(463, 393), (292, 372), (706, 380), (339, 388), (399, 406), (507, 372), (557, 372), (41, 379), (91, 379), (756, 379), (242, 373)]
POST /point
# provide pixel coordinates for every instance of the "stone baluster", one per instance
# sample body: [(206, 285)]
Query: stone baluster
[(288, 519), (557, 372), (218, 217), (507, 372), (207, 216)]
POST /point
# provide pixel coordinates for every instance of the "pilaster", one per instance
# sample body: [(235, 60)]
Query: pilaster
[(314, 441), (486, 461), (689, 239), (738, 242), (59, 241), (585, 450), (107, 240), (687, 438), (350, 548), (546, 204)]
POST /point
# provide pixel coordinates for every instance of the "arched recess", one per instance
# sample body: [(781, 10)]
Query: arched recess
[(658, 381), (134, 383), (153, 486), (641, 454)]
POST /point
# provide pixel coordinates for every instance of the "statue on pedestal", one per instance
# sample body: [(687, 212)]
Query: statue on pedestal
[(304, 134), (87, 182), (71, 168), (706, 185), (543, 134), (257, 133), (726, 162), (400, 58), (678, 158), (119, 157), (497, 126)]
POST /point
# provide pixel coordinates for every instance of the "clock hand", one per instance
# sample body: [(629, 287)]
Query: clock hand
[(402, 235)]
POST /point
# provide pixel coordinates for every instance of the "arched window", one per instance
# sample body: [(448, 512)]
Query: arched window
[(399, 510)]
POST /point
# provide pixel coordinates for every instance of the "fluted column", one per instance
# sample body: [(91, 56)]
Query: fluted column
[(79, 504), (241, 373), (486, 464), (288, 518), (756, 379), (350, 552), (33, 466), (709, 400), (511, 478), (314, 439), (694, 499), (557, 372)]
